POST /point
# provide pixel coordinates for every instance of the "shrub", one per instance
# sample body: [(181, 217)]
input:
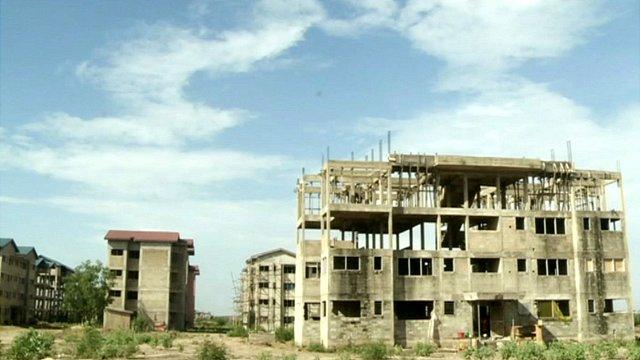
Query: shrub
[(480, 353), (566, 351), (529, 350), (509, 350), (316, 347), (603, 350), (375, 351), (424, 349), (238, 331), (89, 344), (284, 334), (142, 323), (265, 355), (633, 350), (166, 339), (212, 351), (119, 344), (31, 345)]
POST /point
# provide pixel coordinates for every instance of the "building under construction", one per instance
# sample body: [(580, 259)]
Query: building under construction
[(423, 248), (268, 290)]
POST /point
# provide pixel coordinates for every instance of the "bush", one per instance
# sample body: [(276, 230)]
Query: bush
[(142, 323), (238, 331), (284, 334), (480, 353), (633, 350), (31, 345), (603, 350), (529, 350), (119, 344), (212, 351), (89, 344), (566, 351), (166, 339), (375, 351), (424, 349), (265, 355)]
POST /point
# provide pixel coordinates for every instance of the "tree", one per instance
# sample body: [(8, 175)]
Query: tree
[(86, 292)]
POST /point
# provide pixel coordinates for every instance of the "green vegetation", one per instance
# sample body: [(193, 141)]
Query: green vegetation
[(87, 293), (142, 323), (212, 351), (480, 353), (216, 325), (265, 355), (374, 351), (238, 331), (284, 334), (90, 343), (424, 349), (31, 345), (317, 347)]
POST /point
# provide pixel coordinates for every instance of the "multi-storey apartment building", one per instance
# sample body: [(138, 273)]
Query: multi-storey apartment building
[(49, 290), (268, 290), (151, 277), (429, 247), (17, 278)]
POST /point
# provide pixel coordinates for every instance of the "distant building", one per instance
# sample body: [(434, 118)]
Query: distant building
[(49, 292), (17, 278), (268, 283), (152, 278)]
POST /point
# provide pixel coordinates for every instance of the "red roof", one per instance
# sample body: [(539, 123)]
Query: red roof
[(132, 235)]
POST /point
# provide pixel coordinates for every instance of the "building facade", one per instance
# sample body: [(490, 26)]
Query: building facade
[(268, 290), (427, 247), (151, 278), (17, 279), (49, 289)]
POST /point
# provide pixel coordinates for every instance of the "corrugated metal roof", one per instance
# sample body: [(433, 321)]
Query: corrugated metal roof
[(24, 250), (274, 251), (135, 235), (6, 241)]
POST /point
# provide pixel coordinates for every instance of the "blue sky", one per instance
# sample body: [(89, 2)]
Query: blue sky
[(198, 116)]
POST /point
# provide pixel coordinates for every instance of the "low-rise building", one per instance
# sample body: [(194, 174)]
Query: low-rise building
[(49, 290), (268, 290), (151, 278), (17, 278)]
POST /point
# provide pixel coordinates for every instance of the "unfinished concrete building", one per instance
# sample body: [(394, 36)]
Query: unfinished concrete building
[(151, 278), (268, 290), (49, 290), (17, 278), (427, 248)]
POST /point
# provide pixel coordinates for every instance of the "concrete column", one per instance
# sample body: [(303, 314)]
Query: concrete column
[(465, 191), (527, 199), (577, 264), (438, 234), (498, 202)]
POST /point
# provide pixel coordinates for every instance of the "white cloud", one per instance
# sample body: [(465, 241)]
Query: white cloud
[(480, 41)]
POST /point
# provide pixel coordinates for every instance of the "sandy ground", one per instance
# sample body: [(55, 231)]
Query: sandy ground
[(237, 348)]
